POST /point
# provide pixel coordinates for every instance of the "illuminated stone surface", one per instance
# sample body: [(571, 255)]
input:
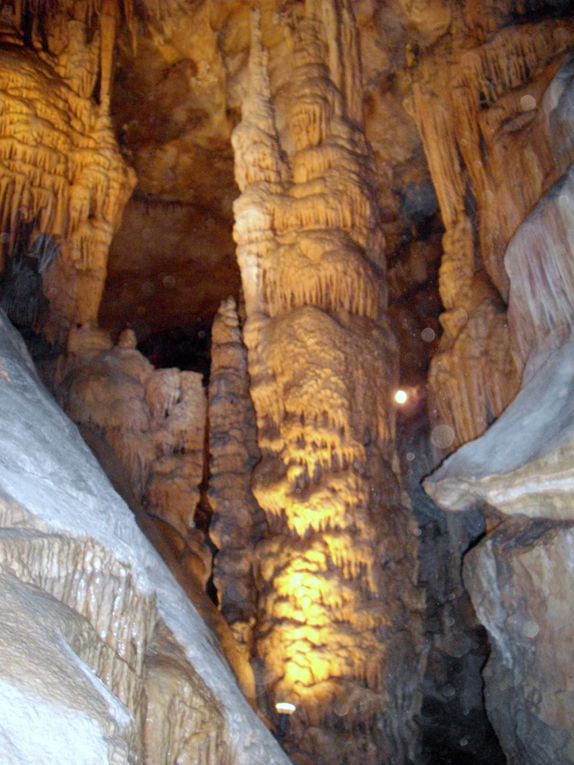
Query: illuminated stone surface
[(62, 172), (485, 87)]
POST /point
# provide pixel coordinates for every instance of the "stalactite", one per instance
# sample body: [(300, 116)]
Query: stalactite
[(322, 363), (61, 169)]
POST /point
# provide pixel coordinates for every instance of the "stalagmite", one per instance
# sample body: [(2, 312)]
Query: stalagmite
[(233, 455), (104, 659), (322, 363)]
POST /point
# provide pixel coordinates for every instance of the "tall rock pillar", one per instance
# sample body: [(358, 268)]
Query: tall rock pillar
[(337, 610)]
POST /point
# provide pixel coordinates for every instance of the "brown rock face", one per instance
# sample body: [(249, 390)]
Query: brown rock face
[(233, 455), (154, 420), (322, 362)]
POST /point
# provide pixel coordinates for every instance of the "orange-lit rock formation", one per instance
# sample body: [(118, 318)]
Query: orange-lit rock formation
[(62, 172), (482, 116), (322, 362)]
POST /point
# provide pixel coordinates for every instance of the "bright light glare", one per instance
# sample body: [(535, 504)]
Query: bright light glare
[(285, 708), (401, 397)]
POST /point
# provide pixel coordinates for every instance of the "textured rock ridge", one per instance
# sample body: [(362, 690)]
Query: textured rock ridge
[(329, 635), (104, 658), (520, 473)]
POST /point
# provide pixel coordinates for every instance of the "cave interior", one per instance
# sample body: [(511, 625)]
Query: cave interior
[(301, 272)]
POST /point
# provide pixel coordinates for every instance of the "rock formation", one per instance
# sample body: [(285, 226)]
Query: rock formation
[(520, 576), (62, 174), (233, 455), (330, 635), (456, 126), (482, 111), (519, 472), (103, 657), (154, 421)]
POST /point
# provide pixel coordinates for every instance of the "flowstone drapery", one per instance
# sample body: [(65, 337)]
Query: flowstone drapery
[(480, 110), (63, 177), (329, 637)]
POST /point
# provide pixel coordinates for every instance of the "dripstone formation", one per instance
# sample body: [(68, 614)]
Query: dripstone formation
[(330, 636)]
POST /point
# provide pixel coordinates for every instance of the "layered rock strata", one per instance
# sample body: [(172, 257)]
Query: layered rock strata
[(329, 636), (104, 658)]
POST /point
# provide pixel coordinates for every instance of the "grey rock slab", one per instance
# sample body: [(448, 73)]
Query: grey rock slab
[(524, 463)]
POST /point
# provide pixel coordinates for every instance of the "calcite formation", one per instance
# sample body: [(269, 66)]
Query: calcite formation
[(234, 453), (154, 420), (329, 634), (104, 659), (62, 173), (522, 464), (540, 263), (482, 111)]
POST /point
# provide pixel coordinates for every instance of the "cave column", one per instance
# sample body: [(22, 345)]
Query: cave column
[(323, 364)]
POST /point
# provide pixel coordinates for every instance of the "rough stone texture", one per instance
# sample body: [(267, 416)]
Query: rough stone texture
[(176, 100), (101, 649), (154, 420), (453, 723), (540, 264), (520, 575), (479, 106), (330, 636), (523, 463), (521, 581), (530, 475)]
